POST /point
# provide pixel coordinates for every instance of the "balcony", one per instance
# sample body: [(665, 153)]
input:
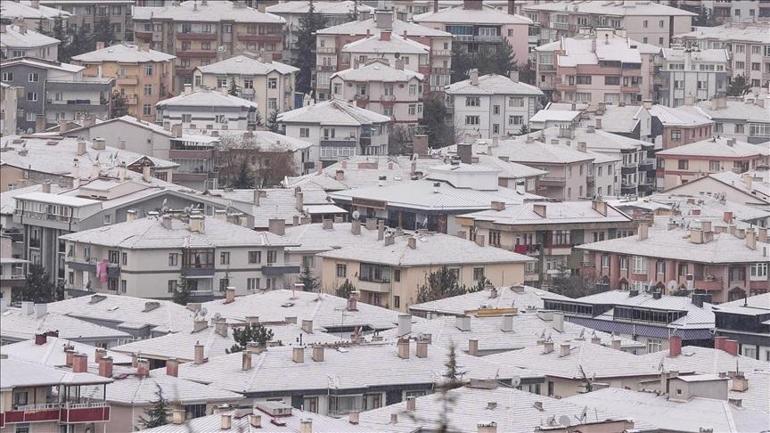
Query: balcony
[(196, 54), (191, 36), (630, 89), (67, 412), (530, 250), (628, 169), (552, 181), (343, 142), (272, 270), (202, 271), (647, 165), (441, 53), (260, 38), (326, 50), (127, 81), (557, 250), (327, 68), (89, 265), (492, 39), (374, 286), (708, 284), (146, 36)]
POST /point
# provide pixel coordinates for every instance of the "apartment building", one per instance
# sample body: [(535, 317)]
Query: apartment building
[(747, 44), (648, 22), (269, 84), (749, 188), (54, 92), (208, 254), (341, 129), (391, 90), (19, 41), (672, 127), (602, 66), (722, 261), (13, 269), (88, 16), (477, 28), (206, 110), (9, 103), (688, 162), (333, 13), (547, 232), (491, 105), (745, 320), (686, 75), (34, 14), (201, 32), (745, 119), (329, 43), (391, 47)]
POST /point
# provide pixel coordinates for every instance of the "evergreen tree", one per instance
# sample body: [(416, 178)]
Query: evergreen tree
[(102, 33), (440, 284), (258, 118), (310, 283), (233, 89), (251, 333), (118, 104), (452, 379), (495, 59), (462, 62), (738, 86), (434, 121), (502, 60), (306, 41), (182, 292), (272, 122), (38, 288), (345, 289), (245, 178), (157, 414)]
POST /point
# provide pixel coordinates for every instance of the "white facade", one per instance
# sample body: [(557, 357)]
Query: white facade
[(687, 75), (20, 41), (206, 109)]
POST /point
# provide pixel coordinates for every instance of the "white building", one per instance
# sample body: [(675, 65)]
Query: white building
[(19, 41), (685, 75), (392, 91), (206, 109), (341, 129), (745, 120), (491, 105), (389, 46)]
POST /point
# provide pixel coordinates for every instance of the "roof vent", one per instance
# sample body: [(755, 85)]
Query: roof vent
[(95, 299)]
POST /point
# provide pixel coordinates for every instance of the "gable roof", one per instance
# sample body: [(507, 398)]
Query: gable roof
[(123, 53), (493, 84), (717, 147), (207, 98), (332, 112), (396, 44), (13, 38), (460, 15), (377, 71), (359, 28), (245, 65)]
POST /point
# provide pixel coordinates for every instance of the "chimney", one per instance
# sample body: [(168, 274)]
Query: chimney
[(298, 355), (474, 77), (394, 418), (105, 366), (79, 363), (187, 89), (403, 348), (385, 35), (719, 342), (595, 339), (412, 242), (598, 123), (507, 323), (339, 175), (355, 227), (473, 347), (220, 215), (548, 347), (172, 367), (99, 353), (739, 383), (46, 187), (277, 226), (751, 239), (731, 347), (177, 416), (40, 123), (98, 143), (422, 348), (146, 173), (246, 360), (557, 323), (225, 419), (353, 417), (463, 323), (353, 301), (81, 147), (674, 346), (411, 404), (480, 240), (465, 152), (255, 421), (472, 4), (199, 359), (383, 19), (69, 356), (486, 426), (306, 426), (318, 354), (41, 339), (399, 64), (539, 210), (564, 349), (616, 343), (299, 199), (220, 327), (762, 234), (328, 224), (642, 231), (142, 367)]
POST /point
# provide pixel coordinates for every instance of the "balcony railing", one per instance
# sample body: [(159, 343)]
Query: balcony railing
[(552, 180), (326, 50), (196, 36), (64, 412), (203, 271)]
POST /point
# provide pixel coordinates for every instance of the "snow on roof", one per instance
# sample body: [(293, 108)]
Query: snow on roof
[(273, 202), (332, 112), (149, 233), (66, 200), (493, 84), (376, 45), (206, 98), (114, 310), (512, 410), (695, 415), (350, 368), (525, 298), (679, 116), (13, 38), (717, 55), (721, 147), (131, 120), (555, 116), (377, 71), (614, 8), (123, 53), (245, 65), (751, 306), (43, 64), (536, 151), (358, 28), (759, 185), (613, 48), (268, 141), (8, 198), (15, 325), (675, 244), (742, 111), (701, 207), (704, 360), (508, 169), (620, 119), (193, 10), (320, 7), (482, 16), (20, 373), (325, 310), (315, 238), (745, 32), (595, 139), (12, 9), (565, 212), (433, 249), (51, 353)]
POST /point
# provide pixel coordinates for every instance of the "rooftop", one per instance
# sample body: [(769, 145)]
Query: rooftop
[(43, 64), (25, 10), (273, 203), (704, 360), (361, 27), (595, 48), (245, 65), (751, 306), (332, 112), (716, 147), (521, 297), (321, 7), (17, 373), (14, 37), (193, 10), (492, 84), (206, 98), (565, 212), (614, 8), (743, 111), (699, 56), (131, 120), (679, 116), (552, 115), (316, 238), (377, 71), (394, 44), (531, 149), (482, 16), (25, 322), (619, 119), (731, 32), (51, 353), (123, 53)]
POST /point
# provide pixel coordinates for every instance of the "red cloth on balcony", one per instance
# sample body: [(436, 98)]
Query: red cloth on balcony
[(101, 270), (521, 249)]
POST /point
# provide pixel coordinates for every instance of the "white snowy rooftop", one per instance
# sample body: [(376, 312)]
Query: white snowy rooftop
[(52, 352), (20, 324), (717, 147), (321, 7), (461, 15), (193, 10), (332, 112), (581, 51), (377, 71), (565, 212), (123, 53), (614, 8), (679, 116), (206, 98), (377, 44), (245, 65), (521, 297), (731, 32), (14, 38), (358, 28), (492, 84)]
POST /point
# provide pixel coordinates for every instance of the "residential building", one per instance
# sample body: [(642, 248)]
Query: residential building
[(632, 121), (389, 46), (745, 120), (200, 32), (9, 103), (269, 84), (55, 92), (723, 262), (391, 90), (685, 163), (13, 269), (88, 17), (489, 299), (341, 130), (648, 22), (478, 29), (745, 320), (35, 15), (51, 398), (685, 75), (751, 188), (487, 407), (20, 41), (737, 11), (128, 133), (389, 272), (143, 76), (549, 118), (206, 109), (331, 40), (548, 232), (491, 105), (211, 256), (52, 351), (747, 44), (333, 13), (672, 127), (602, 66)]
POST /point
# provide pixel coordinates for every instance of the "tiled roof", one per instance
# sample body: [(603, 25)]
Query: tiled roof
[(123, 53)]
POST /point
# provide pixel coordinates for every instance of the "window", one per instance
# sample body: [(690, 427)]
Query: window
[(227, 28), (220, 118), (186, 118), (495, 109), (472, 101), (397, 275), (248, 83), (740, 65), (223, 284), (739, 128), (683, 164), (412, 89), (272, 257), (173, 259), (478, 274), (272, 104), (494, 238), (561, 237), (756, 66), (472, 120), (272, 83), (148, 70), (33, 77), (676, 134), (496, 128), (147, 109), (605, 261), (124, 259), (310, 404), (342, 271), (123, 286), (758, 271), (397, 303), (252, 284), (612, 80), (639, 265), (655, 345), (515, 101), (623, 261), (255, 257), (148, 89), (221, 83), (171, 286), (515, 120), (583, 79), (32, 96), (224, 258), (304, 132), (7, 76), (412, 109), (714, 166)]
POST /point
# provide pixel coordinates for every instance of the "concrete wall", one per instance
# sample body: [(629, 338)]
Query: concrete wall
[(268, 100)]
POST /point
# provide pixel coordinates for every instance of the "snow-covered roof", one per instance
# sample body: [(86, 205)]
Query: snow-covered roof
[(493, 84), (131, 120), (582, 51), (614, 8), (14, 38), (461, 15), (320, 7), (43, 64), (52, 352), (740, 111), (679, 116), (20, 373), (358, 28), (332, 112), (522, 297), (717, 55), (273, 202), (206, 98), (123, 53), (745, 32), (565, 212), (751, 306), (245, 65), (17, 325), (595, 139), (315, 238), (377, 45), (702, 207), (536, 151), (704, 360), (13, 9), (717, 147), (620, 119), (193, 10), (555, 116), (377, 71)]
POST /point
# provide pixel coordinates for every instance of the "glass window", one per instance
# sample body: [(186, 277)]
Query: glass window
[(173, 259), (342, 270), (224, 258), (255, 257)]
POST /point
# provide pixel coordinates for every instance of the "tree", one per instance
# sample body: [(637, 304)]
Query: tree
[(157, 414), (434, 121), (102, 33), (182, 292), (258, 118), (738, 86), (440, 284), (234, 90), (400, 141), (462, 62), (451, 379), (245, 178), (118, 104), (38, 288), (272, 122), (345, 289), (310, 283), (251, 333), (573, 286), (306, 41), (524, 130), (497, 59)]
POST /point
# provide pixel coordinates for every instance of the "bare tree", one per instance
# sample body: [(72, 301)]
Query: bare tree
[(242, 163)]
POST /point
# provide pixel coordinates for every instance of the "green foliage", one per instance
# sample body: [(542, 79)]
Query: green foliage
[(157, 414), (181, 292), (496, 58), (440, 284), (345, 289), (524, 130), (245, 178), (38, 288), (258, 118), (102, 33), (434, 122), (233, 89), (306, 41), (573, 286), (311, 283), (272, 122), (452, 380), (118, 104), (738, 86), (251, 333)]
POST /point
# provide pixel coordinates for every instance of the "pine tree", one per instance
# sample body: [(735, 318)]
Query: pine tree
[(306, 41), (345, 289), (258, 118), (434, 122), (251, 333), (233, 89), (245, 178), (38, 288), (452, 380), (440, 284), (310, 283), (738, 86), (272, 122), (118, 104), (181, 292), (157, 414), (103, 33)]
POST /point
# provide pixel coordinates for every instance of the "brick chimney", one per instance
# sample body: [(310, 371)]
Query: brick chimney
[(385, 35), (105, 366), (172, 367), (41, 339), (403, 348), (142, 367), (198, 358), (246, 360), (229, 295), (79, 363), (411, 404), (731, 347), (353, 301), (298, 355), (674, 346), (422, 349), (318, 354), (277, 226)]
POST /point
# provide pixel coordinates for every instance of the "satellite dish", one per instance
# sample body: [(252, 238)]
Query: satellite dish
[(564, 420), (356, 214)]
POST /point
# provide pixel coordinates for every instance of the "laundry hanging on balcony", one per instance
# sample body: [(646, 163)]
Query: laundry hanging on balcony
[(101, 270)]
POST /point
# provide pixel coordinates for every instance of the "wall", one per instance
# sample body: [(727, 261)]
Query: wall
[(282, 95), (134, 138)]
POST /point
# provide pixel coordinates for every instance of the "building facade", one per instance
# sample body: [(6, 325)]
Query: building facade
[(20, 41), (687, 75), (205, 110)]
